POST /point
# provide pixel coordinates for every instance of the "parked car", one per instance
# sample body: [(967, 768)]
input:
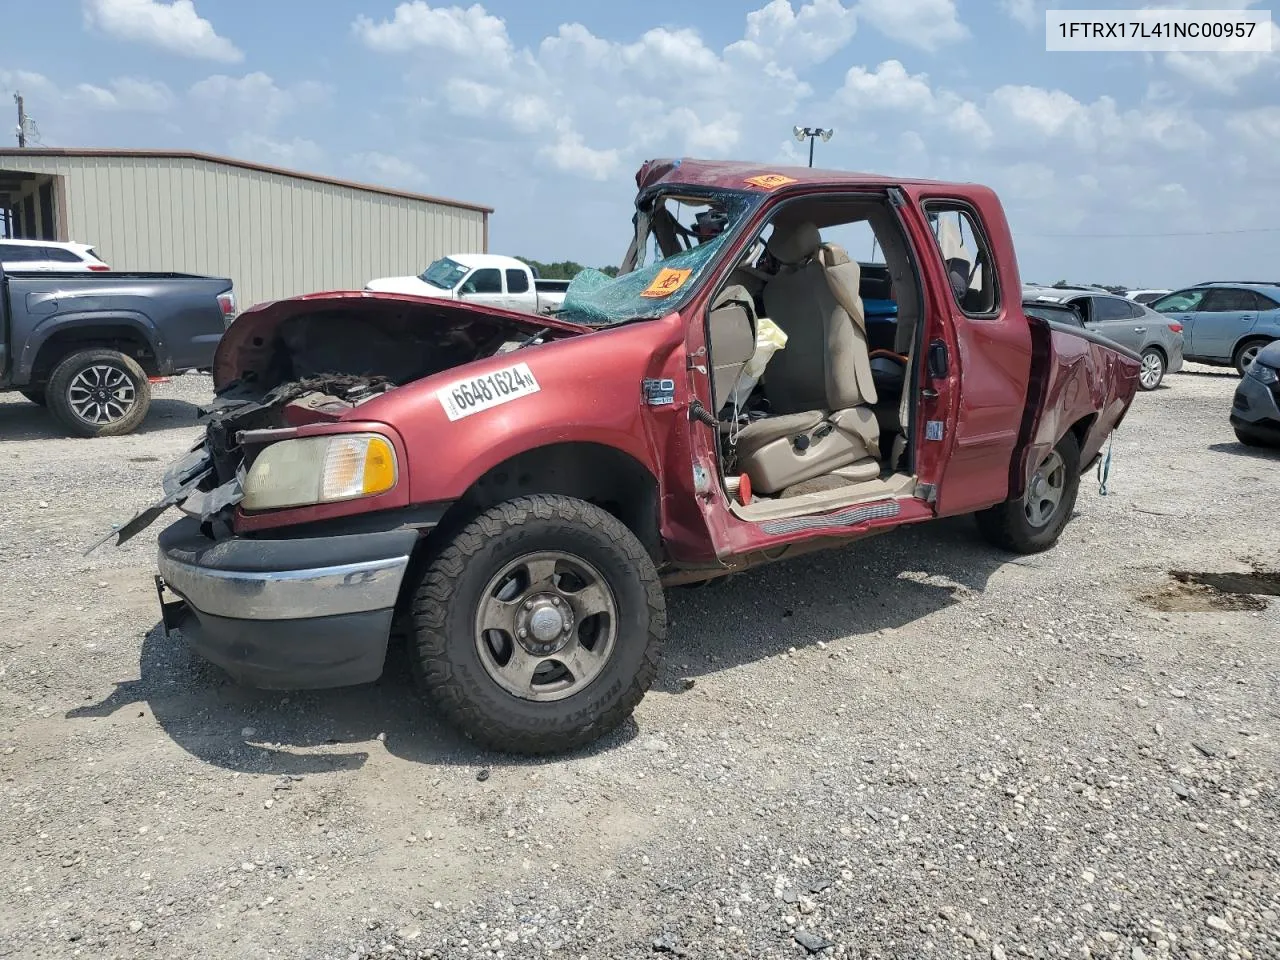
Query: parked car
[(1146, 296), (1157, 339), (1053, 312), (515, 491), (49, 256), (1255, 410), (85, 344), (483, 278), (1225, 324)]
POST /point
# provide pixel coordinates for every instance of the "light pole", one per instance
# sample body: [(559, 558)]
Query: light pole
[(810, 133)]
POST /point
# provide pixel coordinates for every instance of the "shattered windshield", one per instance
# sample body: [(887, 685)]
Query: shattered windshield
[(444, 273), (677, 235)]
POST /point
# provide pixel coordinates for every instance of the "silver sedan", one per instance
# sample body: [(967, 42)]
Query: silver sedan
[(1157, 338)]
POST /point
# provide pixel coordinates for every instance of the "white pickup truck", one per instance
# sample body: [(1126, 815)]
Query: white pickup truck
[(481, 278)]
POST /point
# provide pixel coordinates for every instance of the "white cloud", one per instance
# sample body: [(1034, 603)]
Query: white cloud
[(888, 87), (1224, 72), (1029, 13), (471, 32), (1260, 126), (1099, 126), (254, 100), (469, 97), (145, 96), (174, 26), (927, 24), (569, 154), (384, 169), (812, 35), (297, 153)]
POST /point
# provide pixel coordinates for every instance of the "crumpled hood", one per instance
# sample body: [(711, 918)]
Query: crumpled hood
[(262, 346)]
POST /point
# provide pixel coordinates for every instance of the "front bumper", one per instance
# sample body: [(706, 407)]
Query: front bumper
[(1256, 404), (293, 614)]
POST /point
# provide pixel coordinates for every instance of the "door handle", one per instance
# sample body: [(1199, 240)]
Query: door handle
[(1247, 319), (1139, 329), (937, 360)]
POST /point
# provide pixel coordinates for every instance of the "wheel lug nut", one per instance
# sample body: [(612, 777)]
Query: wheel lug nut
[(528, 604), (556, 601), (523, 633)]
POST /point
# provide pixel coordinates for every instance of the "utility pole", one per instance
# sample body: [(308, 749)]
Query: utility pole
[(22, 120), (810, 134)]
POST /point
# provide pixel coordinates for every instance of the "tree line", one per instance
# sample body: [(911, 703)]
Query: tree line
[(561, 269)]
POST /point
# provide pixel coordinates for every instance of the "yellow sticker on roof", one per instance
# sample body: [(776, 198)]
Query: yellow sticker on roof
[(667, 282), (770, 181)]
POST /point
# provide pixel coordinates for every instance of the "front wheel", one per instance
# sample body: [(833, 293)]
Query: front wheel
[(1152, 372), (1034, 521), (99, 393), (540, 626)]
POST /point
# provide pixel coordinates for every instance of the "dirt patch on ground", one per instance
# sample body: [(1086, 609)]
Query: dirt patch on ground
[(1203, 592)]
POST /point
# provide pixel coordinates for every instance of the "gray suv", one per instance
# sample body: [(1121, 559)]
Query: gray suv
[(1157, 338), (1255, 411)]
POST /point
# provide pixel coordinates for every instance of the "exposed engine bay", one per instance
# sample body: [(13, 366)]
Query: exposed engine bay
[(297, 362)]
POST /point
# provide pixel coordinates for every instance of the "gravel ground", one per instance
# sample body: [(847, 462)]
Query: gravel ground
[(912, 747)]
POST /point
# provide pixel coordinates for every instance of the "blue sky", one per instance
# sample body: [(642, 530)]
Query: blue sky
[(1163, 169)]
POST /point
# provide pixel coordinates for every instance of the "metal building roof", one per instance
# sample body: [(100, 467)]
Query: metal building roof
[(68, 153)]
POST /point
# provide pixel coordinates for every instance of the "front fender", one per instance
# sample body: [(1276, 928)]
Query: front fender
[(589, 390)]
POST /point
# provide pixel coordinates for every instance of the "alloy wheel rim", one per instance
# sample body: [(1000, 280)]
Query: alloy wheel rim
[(546, 626), (1152, 369), (1044, 493), (1250, 354), (101, 394)]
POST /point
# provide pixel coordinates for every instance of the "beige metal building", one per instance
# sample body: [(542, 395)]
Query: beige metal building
[(275, 233)]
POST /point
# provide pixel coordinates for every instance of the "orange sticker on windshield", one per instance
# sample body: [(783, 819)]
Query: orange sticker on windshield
[(769, 181), (667, 282)]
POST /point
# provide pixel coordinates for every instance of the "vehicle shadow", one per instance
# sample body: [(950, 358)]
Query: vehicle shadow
[(1220, 373), (881, 583), (27, 421), (1243, 450)]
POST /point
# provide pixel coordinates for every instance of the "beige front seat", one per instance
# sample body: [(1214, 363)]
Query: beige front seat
[(819, 386)]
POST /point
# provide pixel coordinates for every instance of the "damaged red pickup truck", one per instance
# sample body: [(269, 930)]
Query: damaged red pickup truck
[(514, 491)]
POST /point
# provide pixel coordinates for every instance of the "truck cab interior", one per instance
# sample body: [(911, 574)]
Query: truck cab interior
[(830, 420)]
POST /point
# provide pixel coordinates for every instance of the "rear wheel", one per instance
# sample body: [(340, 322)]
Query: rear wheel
[(99, 393), (35, 395), (1152, 371), (1245, 354), (1035, 521), (540, 626)]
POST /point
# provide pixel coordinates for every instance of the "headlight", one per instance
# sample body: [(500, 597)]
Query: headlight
[(344, 466), (1260, 371)]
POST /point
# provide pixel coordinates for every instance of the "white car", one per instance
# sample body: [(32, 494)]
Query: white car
[(480, 278), (48, 256), (1146, 296)]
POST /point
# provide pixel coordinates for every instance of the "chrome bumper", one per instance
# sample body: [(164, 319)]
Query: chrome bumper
[(287, 594)]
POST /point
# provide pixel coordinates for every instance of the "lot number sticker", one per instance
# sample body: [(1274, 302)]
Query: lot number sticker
[(769, 181), (667, 282), (475, 394)]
